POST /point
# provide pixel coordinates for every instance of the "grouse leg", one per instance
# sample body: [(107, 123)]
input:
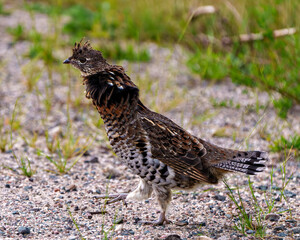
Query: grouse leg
[(164, 197)]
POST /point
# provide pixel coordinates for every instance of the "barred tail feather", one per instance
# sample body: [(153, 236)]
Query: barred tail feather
[(251, 162)]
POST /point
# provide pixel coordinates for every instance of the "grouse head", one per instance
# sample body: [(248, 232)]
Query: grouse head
[(86, 59)]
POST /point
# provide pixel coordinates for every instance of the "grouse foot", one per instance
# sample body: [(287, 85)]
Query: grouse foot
[(161, 220)]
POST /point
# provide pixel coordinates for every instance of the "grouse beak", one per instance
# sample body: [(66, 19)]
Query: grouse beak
[(67, 61)]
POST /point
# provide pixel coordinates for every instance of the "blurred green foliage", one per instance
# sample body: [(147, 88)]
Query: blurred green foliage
[(293, 143), (2, 10), (271, 64), (17, 32)]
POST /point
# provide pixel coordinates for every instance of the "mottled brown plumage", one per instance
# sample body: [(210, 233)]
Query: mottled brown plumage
[(163, 154)]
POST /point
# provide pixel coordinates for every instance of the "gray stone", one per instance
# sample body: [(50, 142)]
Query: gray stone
[(282, 234), (73, 238), (98, 191), (173, 237), (27, 188), (263, 187), (126, 232), (119, 220), (24, 230), (289, 194), (279, 228), (272, 217), (295, 230), (220, 198), (182, 223), (291, 223), (94, 160)]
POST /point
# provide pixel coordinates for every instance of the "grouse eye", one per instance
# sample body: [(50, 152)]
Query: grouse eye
[(82, 60)]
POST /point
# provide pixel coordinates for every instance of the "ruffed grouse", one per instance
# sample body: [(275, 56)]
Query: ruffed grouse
[(163, 154)]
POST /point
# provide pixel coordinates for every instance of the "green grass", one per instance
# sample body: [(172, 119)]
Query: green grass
[(251, 215), (32, 73), (29, 138), (118, 27), (25, 166), (4, 137), (75, 223), (85, 22), (270, 64), (61, 164), (2, 10), (128, 52), (267, 65), (282, 144), (17, 32), (65, 149)]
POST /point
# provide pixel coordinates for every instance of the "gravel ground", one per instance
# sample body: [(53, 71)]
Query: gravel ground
[(37, 207)]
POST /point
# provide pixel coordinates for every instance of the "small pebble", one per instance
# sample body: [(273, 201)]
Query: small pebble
[(182, 223), (219, 197), (24, 230), (202, 224), (289, 194), (272, 217), (7, 185), (276, 188), (173, 237), (126, 232), (86, 153), (83, 208), (250, 231), (70, 188), (94, 160), (136, 220), (27, 188), (35, 209), (277, 199), (279, 228), (24, 197), (282, 234), (263, 187), (295, 230), (291, 223), (98, 191), (119, 220)]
